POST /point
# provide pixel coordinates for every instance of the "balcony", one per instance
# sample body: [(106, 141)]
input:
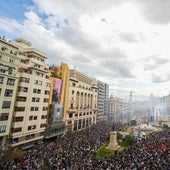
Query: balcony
[(36, 66), (72, 109)]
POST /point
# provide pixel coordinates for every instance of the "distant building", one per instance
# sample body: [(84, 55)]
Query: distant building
[(106, 98), (103, 92), (165, 101), (116, 109)]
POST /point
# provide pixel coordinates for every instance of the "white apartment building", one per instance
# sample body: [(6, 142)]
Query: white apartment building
[(106, 103), (82, 101), (31, 103), (103, 92), (9, 62)]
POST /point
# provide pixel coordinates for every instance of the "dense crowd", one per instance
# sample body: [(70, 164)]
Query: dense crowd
[(75, 151)]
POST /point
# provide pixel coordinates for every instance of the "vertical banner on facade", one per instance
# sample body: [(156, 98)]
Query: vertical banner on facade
[(57, 112), (57, 90)]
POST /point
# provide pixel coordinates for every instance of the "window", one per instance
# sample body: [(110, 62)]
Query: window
[(43, 116), (70, 115), (34, 109), (11, 60), (4, 116), (32, 117), (37, 82), (31, 127), (15, 130), (46, 92), (4, 48), (71, 106), (9, 70), (22, 89), (72, 91), (19, 109), (47, 84), (45, 100), (39, 74), (29, 137), (2, 128), (38, 58), (70, 122), (15, 140), (42, 125), (6, 104), (21, 99), (38, 91), (10, 81), (8, 93), (18, 119), (45, 108), (36, 65), (2, 70), (35, 99), (1, 80), (24, 79)]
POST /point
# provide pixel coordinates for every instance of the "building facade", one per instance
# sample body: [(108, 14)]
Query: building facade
[(116, 109), (9, 62), (32, 97), (58, 100), (82, 103), (38, 101), (165, 101), (103, 92), (106, 102)]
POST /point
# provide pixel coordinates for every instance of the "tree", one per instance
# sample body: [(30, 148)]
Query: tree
[(129, 140)]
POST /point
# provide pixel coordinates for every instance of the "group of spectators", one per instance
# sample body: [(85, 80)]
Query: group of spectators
[(76, 151)]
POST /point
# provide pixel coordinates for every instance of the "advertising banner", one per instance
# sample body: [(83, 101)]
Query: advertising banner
[(57, 90), (57, 112)]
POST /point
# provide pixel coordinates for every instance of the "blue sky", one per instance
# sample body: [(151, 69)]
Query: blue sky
[(14, 9), (122, 43)]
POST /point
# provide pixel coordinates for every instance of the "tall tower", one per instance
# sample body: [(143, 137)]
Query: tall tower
[(130, 97), (129, 107)]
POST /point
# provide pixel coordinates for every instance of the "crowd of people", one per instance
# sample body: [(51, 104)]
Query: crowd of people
[(76, 151)]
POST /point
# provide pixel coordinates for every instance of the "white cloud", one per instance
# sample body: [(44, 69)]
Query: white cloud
[(123, 43), (10, 25)]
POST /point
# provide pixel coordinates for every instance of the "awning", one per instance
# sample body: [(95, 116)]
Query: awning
[(26, 146)]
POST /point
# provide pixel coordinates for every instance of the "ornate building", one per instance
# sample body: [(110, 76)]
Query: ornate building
[(82, 103)]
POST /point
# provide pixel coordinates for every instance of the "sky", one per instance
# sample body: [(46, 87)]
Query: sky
[(124, 43)]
